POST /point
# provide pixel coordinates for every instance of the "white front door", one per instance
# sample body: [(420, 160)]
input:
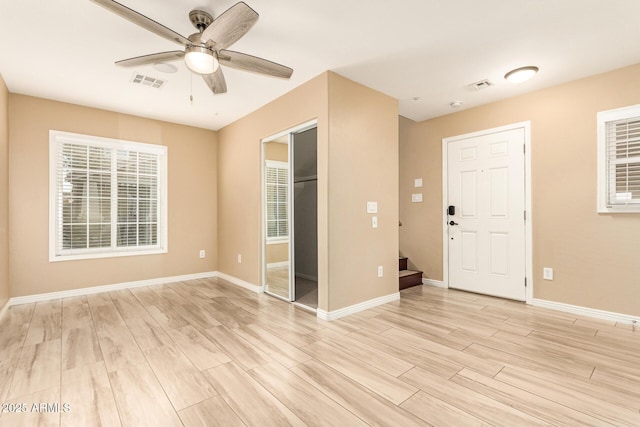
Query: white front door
[(486, 234)]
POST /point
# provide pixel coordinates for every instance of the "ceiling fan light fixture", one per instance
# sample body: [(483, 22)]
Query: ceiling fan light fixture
[(521, 74), (201, 60)]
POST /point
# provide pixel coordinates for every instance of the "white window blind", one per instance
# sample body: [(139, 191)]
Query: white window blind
[(277, 183), (619, 157), (108, 197), (623, 153)]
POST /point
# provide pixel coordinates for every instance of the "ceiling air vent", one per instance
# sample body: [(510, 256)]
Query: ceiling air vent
[(143, 80), (482, 84)]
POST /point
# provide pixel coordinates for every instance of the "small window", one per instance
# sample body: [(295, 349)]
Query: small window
[(619, 160), (107, 197), (277, 182)]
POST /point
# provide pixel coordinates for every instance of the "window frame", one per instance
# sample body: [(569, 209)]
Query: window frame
[(56, 139), (604, 179), (277, 239)]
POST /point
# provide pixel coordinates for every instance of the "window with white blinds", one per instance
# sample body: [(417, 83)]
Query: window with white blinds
[(619, 160), (277, 184), (107, 197)]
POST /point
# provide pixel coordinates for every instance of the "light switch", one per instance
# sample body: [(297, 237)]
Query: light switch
[(416, 198), (417, 182), (372, 207), (374, 222)]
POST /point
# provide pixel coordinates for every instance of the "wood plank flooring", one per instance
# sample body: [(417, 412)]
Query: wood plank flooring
[(207, 353)]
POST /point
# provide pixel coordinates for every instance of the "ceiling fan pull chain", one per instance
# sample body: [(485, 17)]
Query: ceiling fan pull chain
[(191, 87)]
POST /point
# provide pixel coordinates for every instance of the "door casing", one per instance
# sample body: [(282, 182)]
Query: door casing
[(526, 125)]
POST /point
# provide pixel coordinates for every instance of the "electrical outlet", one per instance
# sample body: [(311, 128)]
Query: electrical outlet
[(547, 273), (239, 258), (202, 253), (380, 271)]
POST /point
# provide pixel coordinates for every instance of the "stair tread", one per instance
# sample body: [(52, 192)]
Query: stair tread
[(403, 273)]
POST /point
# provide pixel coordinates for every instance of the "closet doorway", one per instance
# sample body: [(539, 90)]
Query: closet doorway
[(290, 215)]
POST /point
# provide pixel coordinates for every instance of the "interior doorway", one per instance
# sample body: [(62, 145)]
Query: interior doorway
[(290, 215)]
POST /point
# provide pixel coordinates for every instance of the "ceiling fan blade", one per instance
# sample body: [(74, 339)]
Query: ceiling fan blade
[(244, 62), (229, 27), (153, 58), (216, 81), (143, 21)]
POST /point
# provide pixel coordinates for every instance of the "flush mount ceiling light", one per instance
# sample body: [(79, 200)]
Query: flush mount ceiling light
[(521, 74)]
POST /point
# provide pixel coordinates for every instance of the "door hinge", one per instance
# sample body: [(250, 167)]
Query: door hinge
[(525, 215), (524, 148), (525, 282)]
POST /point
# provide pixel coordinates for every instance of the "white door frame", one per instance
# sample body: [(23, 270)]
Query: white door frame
[(527, 179)]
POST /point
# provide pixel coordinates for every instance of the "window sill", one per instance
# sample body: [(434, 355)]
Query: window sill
[(97, 255)]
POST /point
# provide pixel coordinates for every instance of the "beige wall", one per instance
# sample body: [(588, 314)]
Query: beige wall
[(192, 197), (4, 193), (594, 256), (351, 120), (363, 166), (239, 166)]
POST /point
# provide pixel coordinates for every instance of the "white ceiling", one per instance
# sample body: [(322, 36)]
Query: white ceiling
[(431, 49)]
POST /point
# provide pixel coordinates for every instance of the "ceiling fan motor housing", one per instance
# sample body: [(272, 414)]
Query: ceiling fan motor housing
[(200, 19)]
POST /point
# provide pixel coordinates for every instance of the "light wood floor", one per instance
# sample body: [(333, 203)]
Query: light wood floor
[(208, 353)]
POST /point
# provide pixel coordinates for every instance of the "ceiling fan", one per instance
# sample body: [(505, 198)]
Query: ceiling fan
[(205, 50)]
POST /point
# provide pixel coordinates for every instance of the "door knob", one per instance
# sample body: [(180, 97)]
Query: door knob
[(452, 222)]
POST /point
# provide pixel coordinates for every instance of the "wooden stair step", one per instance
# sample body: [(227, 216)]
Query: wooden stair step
[(408, 278)]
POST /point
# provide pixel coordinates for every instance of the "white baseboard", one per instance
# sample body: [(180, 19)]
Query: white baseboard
[(352, 309), (436, 283), (239, 282), (107, 288), (277, 264), (586, 311)]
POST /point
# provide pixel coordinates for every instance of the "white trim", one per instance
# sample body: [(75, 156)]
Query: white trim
[(436, 283), (356, 308), (526, 125), (277, 264), (586, 311), (239, 282), (106, 288), (127, 285)]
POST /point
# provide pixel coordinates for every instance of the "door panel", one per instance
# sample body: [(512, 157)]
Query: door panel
[(486, 243)]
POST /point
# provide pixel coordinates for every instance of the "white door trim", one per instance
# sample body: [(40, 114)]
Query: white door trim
[(527, 178)]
